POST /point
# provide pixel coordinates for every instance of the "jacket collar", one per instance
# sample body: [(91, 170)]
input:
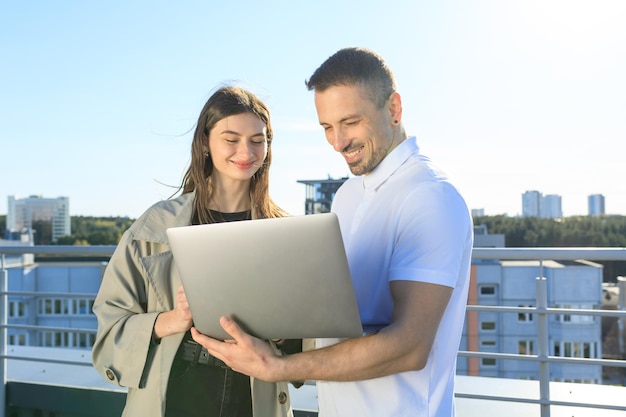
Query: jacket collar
[(152, 225)]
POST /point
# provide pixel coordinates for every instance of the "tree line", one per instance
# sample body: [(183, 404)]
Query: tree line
[(574, 231), (86, 230)]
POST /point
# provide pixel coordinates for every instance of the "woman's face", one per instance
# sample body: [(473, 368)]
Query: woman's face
[(238, 146)]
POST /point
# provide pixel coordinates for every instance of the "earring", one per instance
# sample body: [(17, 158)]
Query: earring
[(206, 155), (395, 122)]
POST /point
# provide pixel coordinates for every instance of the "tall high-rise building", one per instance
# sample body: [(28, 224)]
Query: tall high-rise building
[(531, 204), (551, 207), (48, 216), (534, 204), (596, 205)]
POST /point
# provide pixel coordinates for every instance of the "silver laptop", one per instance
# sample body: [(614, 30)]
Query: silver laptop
[(283, 278)]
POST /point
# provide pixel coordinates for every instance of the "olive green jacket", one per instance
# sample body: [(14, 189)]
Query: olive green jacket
[(139, 282)]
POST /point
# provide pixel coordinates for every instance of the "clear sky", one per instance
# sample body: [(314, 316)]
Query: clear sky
[(97, 99)]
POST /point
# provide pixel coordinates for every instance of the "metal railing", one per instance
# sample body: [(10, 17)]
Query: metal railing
[(542, 310)]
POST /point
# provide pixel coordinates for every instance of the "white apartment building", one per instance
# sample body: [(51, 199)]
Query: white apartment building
[(531, 204), (551, 207), (23, 213), (570, 284), (596, 205), (535, 204)]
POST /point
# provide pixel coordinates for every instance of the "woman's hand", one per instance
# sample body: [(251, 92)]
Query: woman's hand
[(174, 321)]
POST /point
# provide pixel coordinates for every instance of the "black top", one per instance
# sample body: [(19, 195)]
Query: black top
[(219, 217)]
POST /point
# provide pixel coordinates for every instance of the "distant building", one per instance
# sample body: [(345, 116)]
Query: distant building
[(22, 238), (49, 216), (551, 207), (596, 205), (483, 239), (534, 204), (478, 212), (54, 304), (571, 284), (531, 204), (320, 194)]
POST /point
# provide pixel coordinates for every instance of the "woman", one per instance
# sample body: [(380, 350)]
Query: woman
[(143, 340)]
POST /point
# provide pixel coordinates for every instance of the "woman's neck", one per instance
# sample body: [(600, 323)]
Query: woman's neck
[(233, 197)]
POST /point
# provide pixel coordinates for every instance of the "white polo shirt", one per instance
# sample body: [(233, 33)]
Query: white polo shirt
[(403, 221)]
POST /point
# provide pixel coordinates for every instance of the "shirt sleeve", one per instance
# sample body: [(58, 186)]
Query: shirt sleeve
[(433, 229)]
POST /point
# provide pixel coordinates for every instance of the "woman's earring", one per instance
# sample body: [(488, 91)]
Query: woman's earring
[(206, 155)]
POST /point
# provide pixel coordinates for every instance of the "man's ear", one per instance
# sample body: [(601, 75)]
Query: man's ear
[(395, 108)]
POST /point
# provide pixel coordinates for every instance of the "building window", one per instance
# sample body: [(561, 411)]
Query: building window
[(488, 325), (488, 362), (83, 340), (53, 306), (526, 347), (82, 306), (487, 290), (17, 339), (524, 317), (54, 339), (576, 349), (17, 309), (576, 318), (488, 343)]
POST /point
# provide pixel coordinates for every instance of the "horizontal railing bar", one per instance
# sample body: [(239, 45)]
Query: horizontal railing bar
[(49, 294), (544, 254), (539, 402), (536, 358), (547, 253), (46, 360), (552, 311), (49, 328), (59, 250)]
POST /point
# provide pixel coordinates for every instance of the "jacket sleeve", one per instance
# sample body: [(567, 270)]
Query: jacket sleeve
[(123, 345)]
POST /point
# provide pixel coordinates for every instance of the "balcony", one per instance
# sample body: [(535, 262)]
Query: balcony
[(41, 381)]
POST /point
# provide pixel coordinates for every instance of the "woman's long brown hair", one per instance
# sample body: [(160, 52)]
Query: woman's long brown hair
[(228, 101)]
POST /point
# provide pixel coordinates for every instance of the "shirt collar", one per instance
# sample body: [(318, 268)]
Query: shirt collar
[(390, 164)]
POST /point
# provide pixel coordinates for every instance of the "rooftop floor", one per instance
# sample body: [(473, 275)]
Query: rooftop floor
[(41, 372)]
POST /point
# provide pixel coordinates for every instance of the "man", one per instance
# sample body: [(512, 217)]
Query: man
[(408, 238)]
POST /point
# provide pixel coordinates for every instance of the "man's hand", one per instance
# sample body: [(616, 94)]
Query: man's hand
[(244, 353), (404, 345)]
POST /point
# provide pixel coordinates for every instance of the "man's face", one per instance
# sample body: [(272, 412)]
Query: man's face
[(355, 126)]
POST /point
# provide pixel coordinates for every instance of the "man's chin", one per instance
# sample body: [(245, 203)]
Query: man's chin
[(355, 169), (358, 169)]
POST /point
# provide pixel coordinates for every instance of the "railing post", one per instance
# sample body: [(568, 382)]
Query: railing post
[(4, 302), (543, 348)]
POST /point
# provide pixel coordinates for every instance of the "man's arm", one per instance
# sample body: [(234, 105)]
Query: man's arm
[(404, 345)]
